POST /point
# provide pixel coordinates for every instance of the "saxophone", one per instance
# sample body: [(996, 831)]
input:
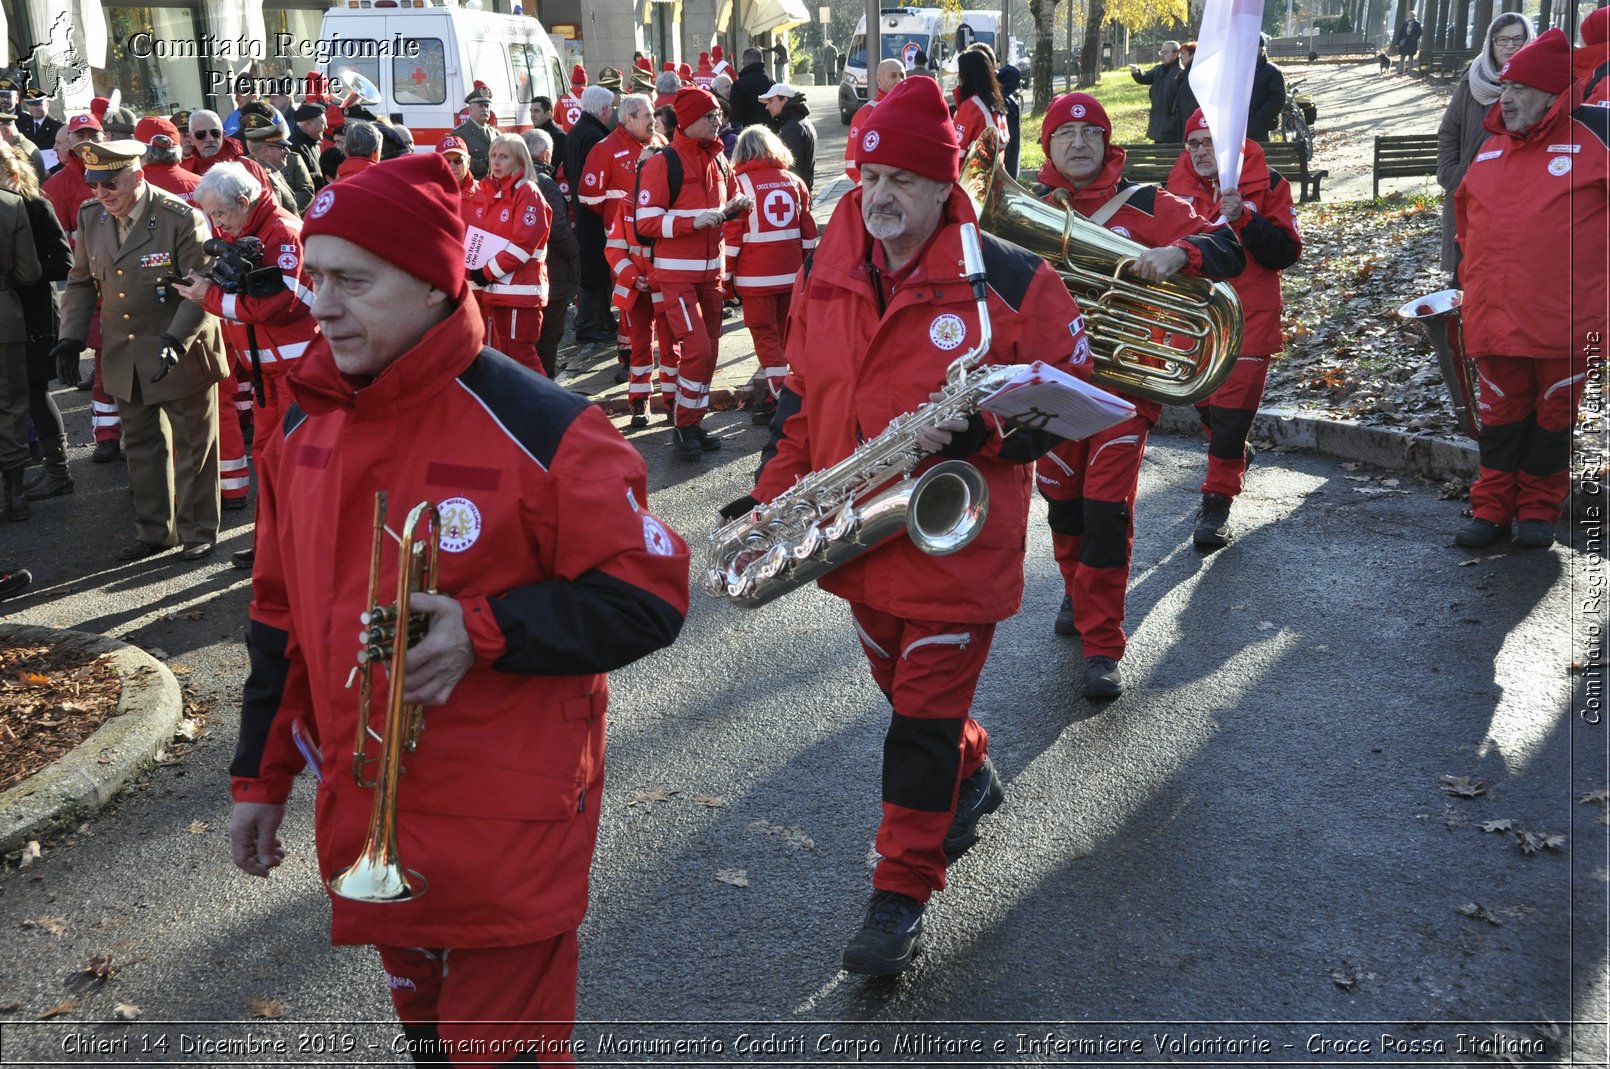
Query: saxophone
[(833, 515)]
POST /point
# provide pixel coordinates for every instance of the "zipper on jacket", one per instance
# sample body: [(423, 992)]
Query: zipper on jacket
[(960, 641)]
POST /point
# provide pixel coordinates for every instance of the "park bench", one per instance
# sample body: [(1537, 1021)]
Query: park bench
[(1445, 62), (1404, 156), (1152, 163)]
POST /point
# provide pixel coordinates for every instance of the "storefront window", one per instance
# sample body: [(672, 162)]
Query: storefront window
[(149, 83), (420, 79), (302, 25)]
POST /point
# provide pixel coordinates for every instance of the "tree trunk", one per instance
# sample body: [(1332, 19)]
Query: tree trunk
[(1461, 24), (1482, 19), (1045, 14), (1090, 63), (1545, 15)]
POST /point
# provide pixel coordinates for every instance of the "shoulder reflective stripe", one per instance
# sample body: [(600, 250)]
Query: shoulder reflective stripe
[(765, 280)]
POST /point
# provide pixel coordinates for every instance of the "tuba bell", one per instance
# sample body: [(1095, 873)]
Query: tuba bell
[(388, 630), (1173, 342), (1440, 320)]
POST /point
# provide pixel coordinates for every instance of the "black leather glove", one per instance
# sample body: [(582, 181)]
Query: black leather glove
[(478, 276), (964, 444), (66, 353), (741, 507), (168, 357)]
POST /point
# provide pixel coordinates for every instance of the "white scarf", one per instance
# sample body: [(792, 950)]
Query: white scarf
[(1483, 75)]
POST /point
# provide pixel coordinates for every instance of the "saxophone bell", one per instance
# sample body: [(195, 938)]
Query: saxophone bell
[(1441, 322)]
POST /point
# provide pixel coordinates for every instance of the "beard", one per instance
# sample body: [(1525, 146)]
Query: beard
[(885, 225)]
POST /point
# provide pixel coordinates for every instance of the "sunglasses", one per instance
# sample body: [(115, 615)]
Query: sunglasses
[(207, 134), (108, 184)]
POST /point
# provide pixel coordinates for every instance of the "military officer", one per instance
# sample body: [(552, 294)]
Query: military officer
[(35, 124), (161, 355), (474, 131), (17, 140), (268, 142)]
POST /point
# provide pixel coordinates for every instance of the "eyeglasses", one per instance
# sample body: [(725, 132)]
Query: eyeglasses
[(1510, 40), (207, 134), (1070, 132), (1194, 146)]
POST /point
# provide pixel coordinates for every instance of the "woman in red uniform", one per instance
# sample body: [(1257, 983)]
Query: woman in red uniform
[(512, 218), (978, 99)]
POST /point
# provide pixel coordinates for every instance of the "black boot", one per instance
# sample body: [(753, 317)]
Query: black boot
[(1212, 522), (16, 498), (53, 480)]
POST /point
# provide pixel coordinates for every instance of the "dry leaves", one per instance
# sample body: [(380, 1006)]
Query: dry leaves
[(30, 854), (266, 1008), (711, 801), (1497, 825), (1347, 977), (653, 794), (791, 835), (198, 827), (1461, 786), (53, 925), (126, 1011), (1479, 912), (101, 967), (1531, 842), (1597, 796), (50, 701), (736, 877), (65, 1006)]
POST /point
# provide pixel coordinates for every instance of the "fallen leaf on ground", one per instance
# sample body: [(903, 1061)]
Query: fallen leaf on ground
[(1347, 977), (53, 925), (791, 835), (653, 794), (101, 966), (1266, 625), (66, 1005), (1479, 912), (268, 1008), (198, 826), (189, 729), (126, 1011), (1497, 825), (30, 854), (1531, 842), (1463, 786), (1597, 796), (711, 801), (736, 877)]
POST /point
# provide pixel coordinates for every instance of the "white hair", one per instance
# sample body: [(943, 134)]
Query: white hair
[(228, 182), (539, 143), (633, 103), (667, 82), (597, 101), (722, 85), (203, 113)]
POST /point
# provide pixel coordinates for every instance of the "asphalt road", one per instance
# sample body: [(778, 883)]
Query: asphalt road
[(1247, 859)]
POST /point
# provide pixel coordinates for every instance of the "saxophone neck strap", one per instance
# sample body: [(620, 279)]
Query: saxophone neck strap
[(1110, 209)]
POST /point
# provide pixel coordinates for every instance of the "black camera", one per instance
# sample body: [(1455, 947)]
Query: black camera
[(235, 270)]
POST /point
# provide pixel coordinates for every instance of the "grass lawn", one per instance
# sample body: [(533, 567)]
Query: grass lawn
[(1127, 103)]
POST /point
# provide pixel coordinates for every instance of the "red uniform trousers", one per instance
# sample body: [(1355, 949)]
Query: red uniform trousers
[(234, 477), (693, 312), (1528, 407), (514, 332), (1090, 487), (1227, 417), (244, 399), (641, 320), (670, 351), (486, 1005), (928, 670), (107, 423), (766, 316)]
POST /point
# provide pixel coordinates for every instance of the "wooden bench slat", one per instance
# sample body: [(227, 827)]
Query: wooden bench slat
[(1404, 156)]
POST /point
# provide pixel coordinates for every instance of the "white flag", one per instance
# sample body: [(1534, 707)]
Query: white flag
[(1221, 77)]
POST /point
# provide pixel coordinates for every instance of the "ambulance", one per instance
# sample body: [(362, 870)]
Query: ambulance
[(420, 58), (902, 33)]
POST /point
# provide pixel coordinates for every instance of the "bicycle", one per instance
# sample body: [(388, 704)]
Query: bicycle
[(1296, 116)]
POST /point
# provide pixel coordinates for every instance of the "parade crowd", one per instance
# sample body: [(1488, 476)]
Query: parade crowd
[(253, 312)]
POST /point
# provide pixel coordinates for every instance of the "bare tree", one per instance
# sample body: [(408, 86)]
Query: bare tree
[(1045, 15), (1090, 57)]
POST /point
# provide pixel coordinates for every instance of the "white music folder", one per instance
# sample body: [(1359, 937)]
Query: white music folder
[(480, 246), (1041, 397)]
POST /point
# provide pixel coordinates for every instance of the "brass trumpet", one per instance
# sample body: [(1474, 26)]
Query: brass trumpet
[(1200, 321), (1441, 320), (388, 630)]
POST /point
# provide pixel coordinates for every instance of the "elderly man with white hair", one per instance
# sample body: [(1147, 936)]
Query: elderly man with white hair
[(267, 315), (594, 321), (212, 146)]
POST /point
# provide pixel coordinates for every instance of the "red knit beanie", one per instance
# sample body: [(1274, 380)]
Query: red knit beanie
[(716, 54), (911, 129), (414, 195), (1544, 64), (642, 64), (1596, 27), (1073, 107), (1197, 121), (692, 104), (578, 76), (684, 72)]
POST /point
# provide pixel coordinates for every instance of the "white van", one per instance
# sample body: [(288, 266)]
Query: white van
[(424, 60), (902, 33), (983, 27)]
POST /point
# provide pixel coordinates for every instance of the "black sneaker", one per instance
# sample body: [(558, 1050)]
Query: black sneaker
[(1102, 678), (980, 794), (762, 412), (1534, 534), (1478, 534), (888, 937), (1212, 522), (687, 442), (14, 581), (639, 415), (1065, 624), (107, 451), (707, 442)]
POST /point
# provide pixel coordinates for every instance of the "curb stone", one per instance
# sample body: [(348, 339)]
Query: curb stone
[(148, 710)]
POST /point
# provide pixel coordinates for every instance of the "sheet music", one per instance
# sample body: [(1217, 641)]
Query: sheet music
[(1041, 397), (480, 246)]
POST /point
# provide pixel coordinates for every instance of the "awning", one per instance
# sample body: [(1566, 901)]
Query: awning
[(762, 16)]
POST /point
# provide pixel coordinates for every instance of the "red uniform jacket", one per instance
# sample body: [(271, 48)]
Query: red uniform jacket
[(682, 253), (1532, 216), (628, 262), (229, 150), (1153, 217), (176, 179), (767, 244), (973, 116), (857, 362), (858, 121), (283, 322), (67, 191), (563, 575), (567, 110), (1268, 231), (611, 173), (518, 211)]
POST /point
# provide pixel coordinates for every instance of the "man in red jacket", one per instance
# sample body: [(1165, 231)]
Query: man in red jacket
[(880, 311), (1532, 215), (1091, 485), (552, 573), (684, 225), (1265, 220), (890, 73)]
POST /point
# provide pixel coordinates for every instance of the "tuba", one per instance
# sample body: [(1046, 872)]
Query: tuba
[(1441, 322), (388, 630), (1173, 342)]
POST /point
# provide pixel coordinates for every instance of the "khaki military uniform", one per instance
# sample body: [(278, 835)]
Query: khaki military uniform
[(164, 238), (478, 142)]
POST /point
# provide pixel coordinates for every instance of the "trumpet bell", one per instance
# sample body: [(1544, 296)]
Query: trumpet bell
[(372, 879), (360, 90), (1440, 321), (1173, 342)]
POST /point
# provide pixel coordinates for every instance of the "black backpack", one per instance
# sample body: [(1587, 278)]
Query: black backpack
[(673, 181)]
